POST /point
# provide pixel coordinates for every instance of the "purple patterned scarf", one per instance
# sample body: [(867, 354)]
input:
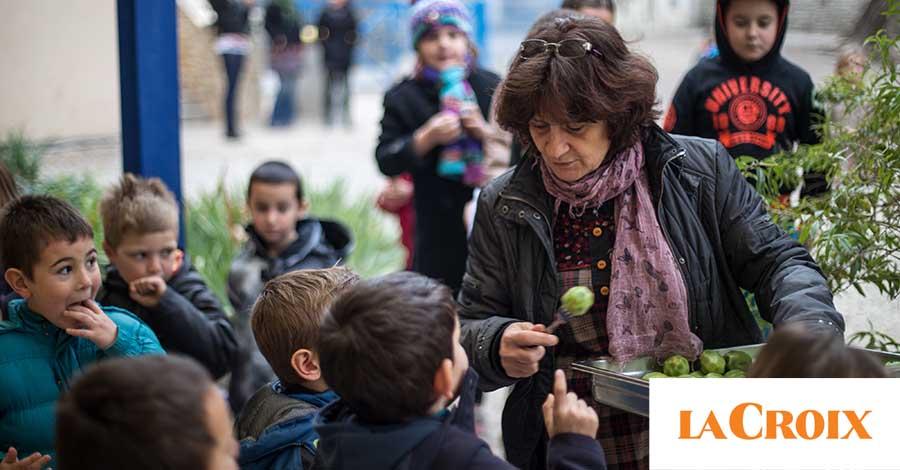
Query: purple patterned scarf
[(648, 310)]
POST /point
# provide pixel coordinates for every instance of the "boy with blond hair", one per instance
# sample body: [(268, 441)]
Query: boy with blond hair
[(151, 277), (275, 427), (55, 329)]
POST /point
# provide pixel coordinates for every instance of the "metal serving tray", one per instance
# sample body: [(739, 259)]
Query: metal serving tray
[(620, 384)]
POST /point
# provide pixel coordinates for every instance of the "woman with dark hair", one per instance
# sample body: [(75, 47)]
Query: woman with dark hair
[(665, 231)]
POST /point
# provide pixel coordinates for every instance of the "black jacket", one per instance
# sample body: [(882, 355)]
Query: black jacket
[(319, 244), (337, 32), (756, 109), (446, 441), (440, 241), (231, 16), (283, 25), (189, 319), (717, 227)]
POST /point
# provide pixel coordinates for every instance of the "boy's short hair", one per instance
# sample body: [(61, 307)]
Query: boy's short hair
[(146, 412), (287, 313), (275, 172), (382, 343), (794, 351), (28, 224), (137, 206)]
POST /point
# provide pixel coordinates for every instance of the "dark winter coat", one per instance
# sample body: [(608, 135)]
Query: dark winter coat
[(338, 34), (189, 318), (440, 244), (283, 26), (275, 428), (755, 109), (717, 227), (444, 441), (231, 16)]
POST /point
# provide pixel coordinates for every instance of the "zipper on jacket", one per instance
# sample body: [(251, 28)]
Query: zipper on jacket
[(662, 187)]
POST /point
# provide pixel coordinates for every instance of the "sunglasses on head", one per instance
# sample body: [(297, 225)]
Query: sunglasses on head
[(568, 48)]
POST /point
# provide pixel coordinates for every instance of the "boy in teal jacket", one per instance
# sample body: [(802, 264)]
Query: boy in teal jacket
[(56, 329)]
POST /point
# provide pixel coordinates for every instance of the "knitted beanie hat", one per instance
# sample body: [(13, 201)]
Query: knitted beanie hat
[(429, 14)]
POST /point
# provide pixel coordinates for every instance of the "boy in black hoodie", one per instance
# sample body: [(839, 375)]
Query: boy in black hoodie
[(750, 98), (389, 347), (281, 239), (150, 277)]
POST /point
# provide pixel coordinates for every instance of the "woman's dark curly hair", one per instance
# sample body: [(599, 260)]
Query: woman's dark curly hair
[(618, 86)]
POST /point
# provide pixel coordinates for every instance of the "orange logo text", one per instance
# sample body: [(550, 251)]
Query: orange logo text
[(778, 424)]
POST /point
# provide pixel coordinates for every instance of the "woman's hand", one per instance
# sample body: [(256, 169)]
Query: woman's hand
[(522, 347), (565, 413), (441, 129), (473, 122)]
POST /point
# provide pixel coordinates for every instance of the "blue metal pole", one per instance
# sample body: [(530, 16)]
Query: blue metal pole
[(148, 76)]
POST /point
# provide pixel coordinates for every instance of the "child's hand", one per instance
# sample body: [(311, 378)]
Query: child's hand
[(35, 461), (443, 128), (473, 122), (147, 291), (92, 324), (565, 413)]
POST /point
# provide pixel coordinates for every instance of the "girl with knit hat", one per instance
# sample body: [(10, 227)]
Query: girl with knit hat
[(435, 127)]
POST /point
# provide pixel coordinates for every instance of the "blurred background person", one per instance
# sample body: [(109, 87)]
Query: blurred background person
[(233, 44), (338, 36), (283, 24)]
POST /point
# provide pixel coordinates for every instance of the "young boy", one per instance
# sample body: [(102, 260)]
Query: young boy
[(389, 347), (145, 413), (56, 328), (281, 239), (275, 426), (749, 98), (152, 278)]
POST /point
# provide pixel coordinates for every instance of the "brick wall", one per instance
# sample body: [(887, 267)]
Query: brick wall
[(202, 75)]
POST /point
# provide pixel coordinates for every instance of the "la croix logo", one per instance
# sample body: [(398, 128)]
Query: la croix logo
[(779, 424)]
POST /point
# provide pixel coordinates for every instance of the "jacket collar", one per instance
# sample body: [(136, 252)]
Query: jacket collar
[(309, 234), (20, 317), (527, 186)]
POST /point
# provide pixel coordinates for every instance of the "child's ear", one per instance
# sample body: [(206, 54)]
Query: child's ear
[(16, 280), (304, 208), (306, 365), (110, 252), (179, 260), (443, 381)]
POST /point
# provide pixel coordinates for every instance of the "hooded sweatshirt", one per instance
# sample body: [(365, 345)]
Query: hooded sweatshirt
[(753, 108), (445, 440)]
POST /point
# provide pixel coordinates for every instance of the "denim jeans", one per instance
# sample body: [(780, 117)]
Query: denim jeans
[(233, 64)]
